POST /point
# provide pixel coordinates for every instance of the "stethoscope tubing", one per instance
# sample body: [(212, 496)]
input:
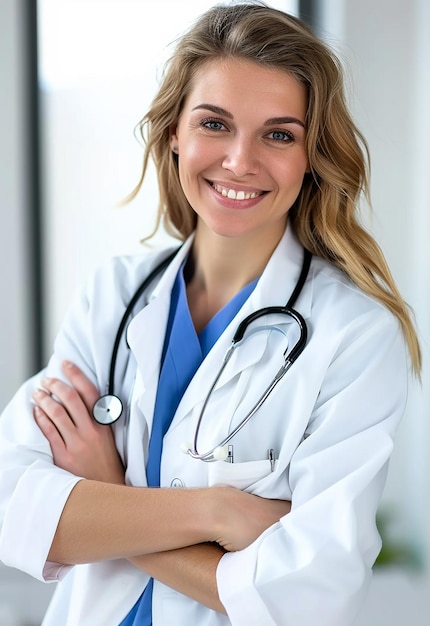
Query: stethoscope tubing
[(108, 408), (148, 280), (289, 356)]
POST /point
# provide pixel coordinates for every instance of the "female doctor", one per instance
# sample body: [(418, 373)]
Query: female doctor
[(271, 466)]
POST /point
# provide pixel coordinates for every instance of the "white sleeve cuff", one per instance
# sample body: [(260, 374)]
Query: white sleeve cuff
[(31, 520), (235, 577)]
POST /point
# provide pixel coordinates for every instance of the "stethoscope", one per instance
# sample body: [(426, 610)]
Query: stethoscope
[(109, 408)]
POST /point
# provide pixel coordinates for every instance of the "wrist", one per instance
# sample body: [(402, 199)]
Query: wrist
[(214, 511)]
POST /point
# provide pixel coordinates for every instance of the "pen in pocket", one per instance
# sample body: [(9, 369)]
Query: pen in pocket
[(271, 457)]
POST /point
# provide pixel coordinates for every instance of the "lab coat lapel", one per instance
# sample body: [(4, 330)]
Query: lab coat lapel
[(145, 336), (146, 331), (274, 288)]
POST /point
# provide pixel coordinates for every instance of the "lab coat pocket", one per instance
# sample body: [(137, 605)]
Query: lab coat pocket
[(240, 475)]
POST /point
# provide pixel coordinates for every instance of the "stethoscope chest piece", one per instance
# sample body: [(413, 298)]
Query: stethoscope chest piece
[(107, 409)]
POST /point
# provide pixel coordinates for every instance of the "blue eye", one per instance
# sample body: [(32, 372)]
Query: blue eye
[(212, 124), (282, 136)]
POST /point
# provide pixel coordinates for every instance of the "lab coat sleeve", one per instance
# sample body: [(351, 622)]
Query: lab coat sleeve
[(33, 491), (314, 566)]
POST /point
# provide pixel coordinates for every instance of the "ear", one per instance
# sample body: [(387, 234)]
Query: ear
[(173, 140)]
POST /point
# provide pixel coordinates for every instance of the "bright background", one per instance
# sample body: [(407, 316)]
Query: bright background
[(99, 64)]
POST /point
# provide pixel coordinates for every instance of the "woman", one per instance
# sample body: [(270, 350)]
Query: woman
[(258, 161)]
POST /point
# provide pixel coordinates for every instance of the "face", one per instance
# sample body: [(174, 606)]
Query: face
[(241, 145)]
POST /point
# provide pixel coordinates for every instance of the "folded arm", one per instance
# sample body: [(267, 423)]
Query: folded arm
[(176, 535), (190, 570)]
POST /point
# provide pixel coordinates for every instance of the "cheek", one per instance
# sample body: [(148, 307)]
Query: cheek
[(299, 167), (188, 157), (194, 159), (291, 177), (199, 152), (190, 168)]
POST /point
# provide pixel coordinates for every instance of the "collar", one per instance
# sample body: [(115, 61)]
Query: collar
[(280, 277), (145, 333)]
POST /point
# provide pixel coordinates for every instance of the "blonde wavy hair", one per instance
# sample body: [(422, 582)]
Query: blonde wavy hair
[(325, 214)]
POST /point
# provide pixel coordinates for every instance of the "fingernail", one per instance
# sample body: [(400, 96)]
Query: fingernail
[(67, 364)]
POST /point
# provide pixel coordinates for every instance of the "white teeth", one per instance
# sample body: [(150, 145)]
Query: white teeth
[(235, 195)]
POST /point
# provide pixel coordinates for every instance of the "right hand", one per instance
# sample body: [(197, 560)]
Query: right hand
[(79, 444), (242, 517)]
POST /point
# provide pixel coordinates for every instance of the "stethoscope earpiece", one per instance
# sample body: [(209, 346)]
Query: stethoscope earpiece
[(186, 447), (220, 453)]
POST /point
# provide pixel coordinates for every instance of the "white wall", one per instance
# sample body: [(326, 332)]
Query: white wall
[(14, 328), (15, 360), (389, 51), (93, 95)]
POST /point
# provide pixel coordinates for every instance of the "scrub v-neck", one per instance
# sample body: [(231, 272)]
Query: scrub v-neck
[(183, 352)]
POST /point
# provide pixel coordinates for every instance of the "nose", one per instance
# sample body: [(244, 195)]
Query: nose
[(241, 157)]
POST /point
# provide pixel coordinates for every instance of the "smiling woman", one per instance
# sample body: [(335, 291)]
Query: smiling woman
[(242, 154), (260, 170)]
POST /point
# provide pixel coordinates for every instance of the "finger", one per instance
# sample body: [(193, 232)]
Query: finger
[(49, 430), (59, 447), (69, 397), (87, 391), (55, 411)]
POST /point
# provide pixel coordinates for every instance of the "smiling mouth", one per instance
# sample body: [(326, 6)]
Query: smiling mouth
[(232, 194)]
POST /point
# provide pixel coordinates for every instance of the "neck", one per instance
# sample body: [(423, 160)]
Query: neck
[(232, 261), (220, 267)]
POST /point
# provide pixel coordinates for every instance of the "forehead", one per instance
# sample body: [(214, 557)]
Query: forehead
[(240, 81)]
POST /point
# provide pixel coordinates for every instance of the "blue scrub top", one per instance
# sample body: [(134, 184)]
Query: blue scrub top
[(182, 355)]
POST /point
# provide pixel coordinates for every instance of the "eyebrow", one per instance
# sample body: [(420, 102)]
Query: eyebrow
[(270, 122), (284, 120)]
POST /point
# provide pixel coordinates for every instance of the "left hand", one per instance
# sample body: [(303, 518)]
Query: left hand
[(79, 444)]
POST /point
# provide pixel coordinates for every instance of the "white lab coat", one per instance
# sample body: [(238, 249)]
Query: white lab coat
[(331, 422)]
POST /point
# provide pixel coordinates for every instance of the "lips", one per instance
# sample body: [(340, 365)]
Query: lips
[(234, 194)]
